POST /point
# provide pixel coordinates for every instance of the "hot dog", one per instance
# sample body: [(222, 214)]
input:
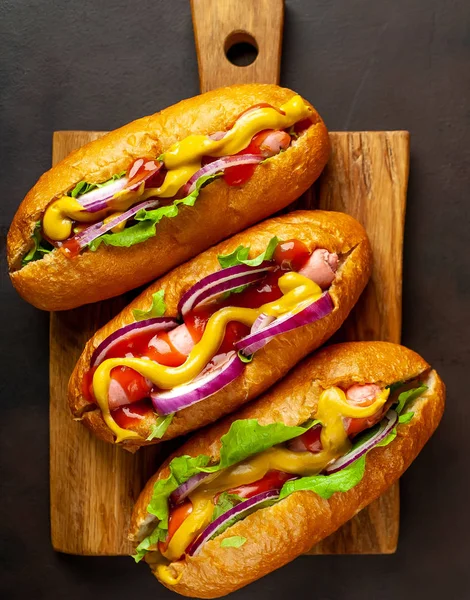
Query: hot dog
[(248, 316), (261, 487), (144, 198)]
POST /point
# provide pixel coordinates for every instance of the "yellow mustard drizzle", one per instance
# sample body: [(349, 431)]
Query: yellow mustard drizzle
[(170, 377), (182, 160), (332, 408), (164, 573)]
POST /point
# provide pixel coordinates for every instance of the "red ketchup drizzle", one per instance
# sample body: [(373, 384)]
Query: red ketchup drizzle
[(311, 439), (71, 248), (289, 255), (129, 416), (234, 176), (132, 346), (273, 480), (149, 170)]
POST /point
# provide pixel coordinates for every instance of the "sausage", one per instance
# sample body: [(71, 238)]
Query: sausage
[(321, 267)]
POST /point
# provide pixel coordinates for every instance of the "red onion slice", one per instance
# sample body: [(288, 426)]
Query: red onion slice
[(313, 312), (261, 322), (386, 426), (127, 332), (210, 381), (99, 198), (183, 491), (220, 165), (102, 193), (241, 510), (89, 234), (219, 282)]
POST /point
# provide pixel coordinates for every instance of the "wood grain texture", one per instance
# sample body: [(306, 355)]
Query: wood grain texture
[(367, 177), (94, 485), (218, 24)]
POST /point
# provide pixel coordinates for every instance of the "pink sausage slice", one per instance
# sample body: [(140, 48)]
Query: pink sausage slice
[(321, 267), (274, 142), (181, 339), (363, 394)]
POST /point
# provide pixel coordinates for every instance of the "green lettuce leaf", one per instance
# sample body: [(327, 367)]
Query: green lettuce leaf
[(326, 485), (406, 417), (236, 541), (84, 187), (147, 220), (159, 428), (181, 469), (408, 396), (291, 131), (388, 440), (395, 386), (40, 246), (229, 501), (225, 502), (245, 359), (158, 535), (157, 309), (247, 437), (240, 256), (244, 438)]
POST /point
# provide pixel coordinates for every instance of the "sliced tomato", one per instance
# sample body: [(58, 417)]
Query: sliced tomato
[(273, 480), (234, 176), (129, 416), (161, 350), (177, 516), (291, 254), (135, 345)]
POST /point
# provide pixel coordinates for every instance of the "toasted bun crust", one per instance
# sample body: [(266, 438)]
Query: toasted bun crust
[(278, 534), (58, 283), (336, 232)]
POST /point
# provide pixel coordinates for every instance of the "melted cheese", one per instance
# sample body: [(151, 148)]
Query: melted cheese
[(332, 408), (182, 160), (298, 288)]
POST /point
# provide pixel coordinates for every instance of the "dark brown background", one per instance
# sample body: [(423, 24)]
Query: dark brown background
[(365, 65)]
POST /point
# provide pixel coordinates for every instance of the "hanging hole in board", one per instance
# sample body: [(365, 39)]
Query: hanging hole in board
[(241, 48)]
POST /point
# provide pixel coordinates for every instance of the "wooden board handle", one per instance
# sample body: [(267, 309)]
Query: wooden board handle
[(220, 24)]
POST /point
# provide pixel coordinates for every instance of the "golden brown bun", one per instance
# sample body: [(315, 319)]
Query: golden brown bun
[(59, 283), (278, 534), (336, 232)]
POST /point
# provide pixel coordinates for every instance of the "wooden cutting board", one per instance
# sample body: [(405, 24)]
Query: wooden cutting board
[(93, 485)]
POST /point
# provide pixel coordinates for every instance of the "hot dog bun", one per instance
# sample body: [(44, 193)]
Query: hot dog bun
[(59, 283), (336, 232), (278, 534)]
